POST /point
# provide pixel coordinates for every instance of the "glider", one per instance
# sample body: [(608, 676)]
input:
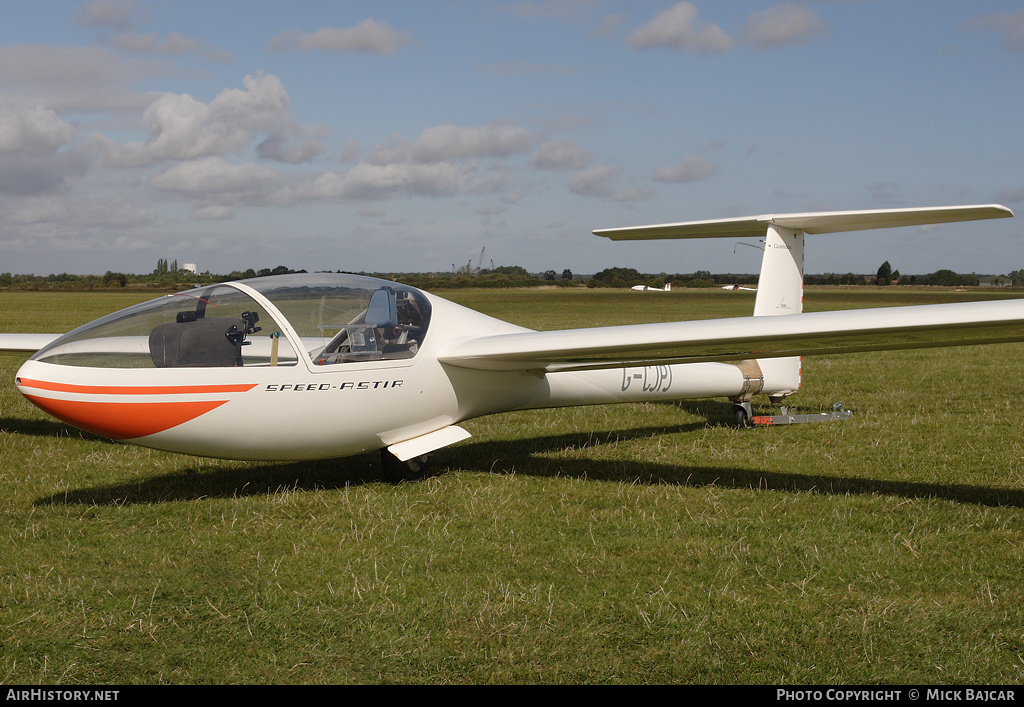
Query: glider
[(319, 366)]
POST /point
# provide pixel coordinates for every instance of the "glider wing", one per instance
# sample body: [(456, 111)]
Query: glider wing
[(814, 223), (26, 343), (735, 339)]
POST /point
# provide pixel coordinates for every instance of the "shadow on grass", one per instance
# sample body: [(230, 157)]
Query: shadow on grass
[(46, 428), (226, 480), (526, 457)]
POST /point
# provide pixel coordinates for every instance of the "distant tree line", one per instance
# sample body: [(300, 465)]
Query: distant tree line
[(164, 276), (886, 275), (502, 277), (167, 275), (629, 277)]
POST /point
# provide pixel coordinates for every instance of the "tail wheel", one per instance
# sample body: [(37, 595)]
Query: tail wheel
[(395, 470)]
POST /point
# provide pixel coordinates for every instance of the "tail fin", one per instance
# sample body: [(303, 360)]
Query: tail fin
[(781, 283), (780, 286), (780, 290)]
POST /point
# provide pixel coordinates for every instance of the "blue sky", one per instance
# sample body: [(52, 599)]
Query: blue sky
[(413, 136)]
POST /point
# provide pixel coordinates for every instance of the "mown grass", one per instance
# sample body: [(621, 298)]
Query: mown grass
[(646, 543)]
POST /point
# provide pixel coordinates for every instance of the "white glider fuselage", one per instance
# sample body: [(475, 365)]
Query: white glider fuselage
[(308, 411)]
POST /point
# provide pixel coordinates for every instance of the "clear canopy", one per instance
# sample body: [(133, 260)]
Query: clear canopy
[(337, 319)]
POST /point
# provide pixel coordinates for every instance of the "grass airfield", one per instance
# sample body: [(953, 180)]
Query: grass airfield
[(641, 543)]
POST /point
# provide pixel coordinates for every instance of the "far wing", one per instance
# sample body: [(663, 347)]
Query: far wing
[(813, 222), (735, 339), (26, 343)]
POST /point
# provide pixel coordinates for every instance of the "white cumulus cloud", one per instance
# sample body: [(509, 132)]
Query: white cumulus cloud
[(214, 175), (375, 182), (560, 154), (678, 28), (35, 131), (445, 143), (602, 181), (182, 127), (453, 142), (368, 37), (782, 25)]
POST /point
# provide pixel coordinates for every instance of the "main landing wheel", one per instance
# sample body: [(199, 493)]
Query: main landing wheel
[(742, 414), (395, 470)]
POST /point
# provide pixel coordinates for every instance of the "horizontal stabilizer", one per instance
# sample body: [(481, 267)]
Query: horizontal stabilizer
[(814, 223), (845, 331)]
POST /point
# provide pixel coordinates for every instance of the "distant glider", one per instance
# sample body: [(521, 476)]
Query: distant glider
[(316, 366)]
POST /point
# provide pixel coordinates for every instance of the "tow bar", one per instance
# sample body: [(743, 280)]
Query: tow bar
[(788, 418)]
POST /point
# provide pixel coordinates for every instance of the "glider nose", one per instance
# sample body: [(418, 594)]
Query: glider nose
[(121, 412)]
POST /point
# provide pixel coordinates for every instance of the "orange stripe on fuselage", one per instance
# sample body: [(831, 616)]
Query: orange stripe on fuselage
[(127, 419), (124, 420), (134, 389)]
